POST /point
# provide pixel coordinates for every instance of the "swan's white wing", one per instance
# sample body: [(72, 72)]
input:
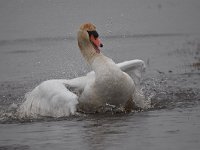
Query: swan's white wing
[(134, 68), (55, 98), (50, 98), (77, 85), (135, 64)]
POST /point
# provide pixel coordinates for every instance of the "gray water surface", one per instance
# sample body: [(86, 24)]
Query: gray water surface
[(38, 42), (162, 129)]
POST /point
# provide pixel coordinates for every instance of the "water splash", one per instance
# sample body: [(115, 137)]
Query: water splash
[(167, 92), (159, 91)]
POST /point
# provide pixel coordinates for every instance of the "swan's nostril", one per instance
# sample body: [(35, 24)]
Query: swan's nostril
[(101, 45)]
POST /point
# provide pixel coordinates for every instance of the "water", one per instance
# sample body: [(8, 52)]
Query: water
[(159, 129), (31, 51)]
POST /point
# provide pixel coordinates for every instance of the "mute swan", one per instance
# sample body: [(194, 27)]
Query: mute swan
[(106, 84)]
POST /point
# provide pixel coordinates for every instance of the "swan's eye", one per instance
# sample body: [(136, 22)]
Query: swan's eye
[(94, 33)]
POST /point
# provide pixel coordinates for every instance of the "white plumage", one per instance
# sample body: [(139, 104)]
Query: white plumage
[(107, 84)]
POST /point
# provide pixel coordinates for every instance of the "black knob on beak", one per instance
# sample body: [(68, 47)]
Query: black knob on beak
[(101, 45)]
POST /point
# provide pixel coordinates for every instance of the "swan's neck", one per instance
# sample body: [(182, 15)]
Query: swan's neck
[(86, 48), (89, 52), (105, 67), (99, 63)]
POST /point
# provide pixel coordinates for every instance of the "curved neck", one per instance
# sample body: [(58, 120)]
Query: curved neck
[(86, 47)]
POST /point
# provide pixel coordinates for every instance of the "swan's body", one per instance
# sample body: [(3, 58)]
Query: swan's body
[(107, 84), (110, 85)]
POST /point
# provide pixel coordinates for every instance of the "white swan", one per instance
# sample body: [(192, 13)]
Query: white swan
[(107, 84)]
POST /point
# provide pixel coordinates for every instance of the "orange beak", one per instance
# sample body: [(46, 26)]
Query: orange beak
[(96, 41)]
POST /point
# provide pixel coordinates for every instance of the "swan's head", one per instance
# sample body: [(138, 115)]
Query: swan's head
[(88, 35)]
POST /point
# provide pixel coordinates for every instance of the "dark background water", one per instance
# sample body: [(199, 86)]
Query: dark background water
[(38, 42)]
